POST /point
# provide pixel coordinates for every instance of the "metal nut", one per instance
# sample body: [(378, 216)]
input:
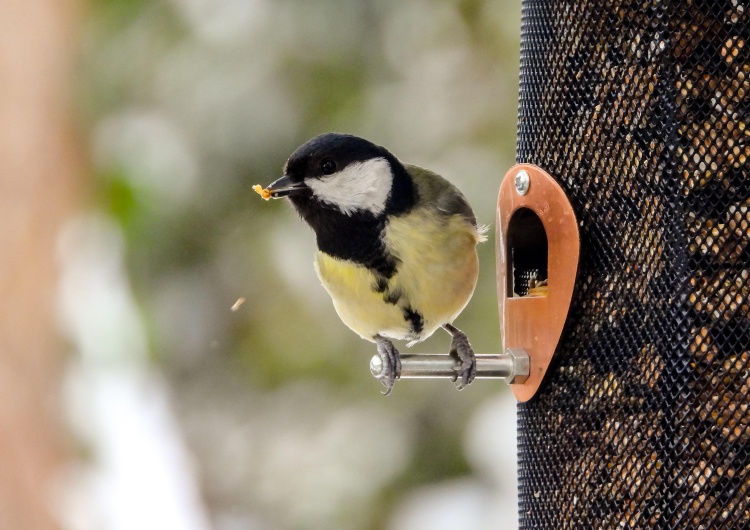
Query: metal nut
[(521, 365)]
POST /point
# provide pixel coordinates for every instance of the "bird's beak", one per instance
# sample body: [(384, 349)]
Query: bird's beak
[(286, 187)]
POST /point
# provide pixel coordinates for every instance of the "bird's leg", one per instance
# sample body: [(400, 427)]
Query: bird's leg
[(461, 349), (390, 364)]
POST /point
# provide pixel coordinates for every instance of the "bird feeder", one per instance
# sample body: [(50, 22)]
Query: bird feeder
[(641, 112)]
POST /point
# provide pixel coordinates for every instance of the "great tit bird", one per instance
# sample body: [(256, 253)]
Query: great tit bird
[(396, 244)]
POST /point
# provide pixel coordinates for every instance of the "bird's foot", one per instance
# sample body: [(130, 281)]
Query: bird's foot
[(461, 349), (390, 365)]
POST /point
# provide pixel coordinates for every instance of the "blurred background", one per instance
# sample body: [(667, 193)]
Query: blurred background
[(137, 392)]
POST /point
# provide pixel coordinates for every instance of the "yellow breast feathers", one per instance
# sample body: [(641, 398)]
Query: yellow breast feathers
[(436, 273)]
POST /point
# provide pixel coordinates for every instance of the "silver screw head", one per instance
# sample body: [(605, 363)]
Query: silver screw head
[(376, 365), (521, 182)]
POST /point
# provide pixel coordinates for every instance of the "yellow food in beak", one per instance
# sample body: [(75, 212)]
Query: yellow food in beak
[(263, 192)]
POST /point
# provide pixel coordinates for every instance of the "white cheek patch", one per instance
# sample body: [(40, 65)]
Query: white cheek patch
[(359, 186)]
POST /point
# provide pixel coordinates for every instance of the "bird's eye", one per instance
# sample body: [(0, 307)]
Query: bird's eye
[(328, 166)]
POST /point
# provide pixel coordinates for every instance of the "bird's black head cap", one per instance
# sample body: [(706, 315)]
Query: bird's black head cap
[(332, 152)]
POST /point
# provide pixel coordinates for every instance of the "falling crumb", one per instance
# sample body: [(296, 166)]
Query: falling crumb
[(263, 192), (238, 303)]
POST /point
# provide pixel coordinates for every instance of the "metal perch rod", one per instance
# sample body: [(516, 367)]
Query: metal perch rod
[(512, 366)]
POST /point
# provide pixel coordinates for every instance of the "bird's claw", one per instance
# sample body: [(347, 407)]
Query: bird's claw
[(390, 365), (461, 350)]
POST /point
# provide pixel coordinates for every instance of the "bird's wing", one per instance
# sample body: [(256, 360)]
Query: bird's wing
[(436, 191)]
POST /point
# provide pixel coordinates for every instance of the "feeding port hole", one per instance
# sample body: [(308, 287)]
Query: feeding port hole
[(527, 255)]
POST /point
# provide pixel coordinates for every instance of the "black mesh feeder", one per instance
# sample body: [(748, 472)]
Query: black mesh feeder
[(640, 112)]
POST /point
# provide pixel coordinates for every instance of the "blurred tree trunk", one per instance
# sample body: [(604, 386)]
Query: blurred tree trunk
[(39, 170)]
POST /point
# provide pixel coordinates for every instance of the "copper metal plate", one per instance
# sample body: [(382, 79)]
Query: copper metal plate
[(535, 324)]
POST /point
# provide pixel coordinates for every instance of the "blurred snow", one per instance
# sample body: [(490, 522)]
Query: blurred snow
[(298, 455), (221, 21), (458, 503), (487, 499), (150, 150), (97, 309), (490, 444), (138, 473)]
